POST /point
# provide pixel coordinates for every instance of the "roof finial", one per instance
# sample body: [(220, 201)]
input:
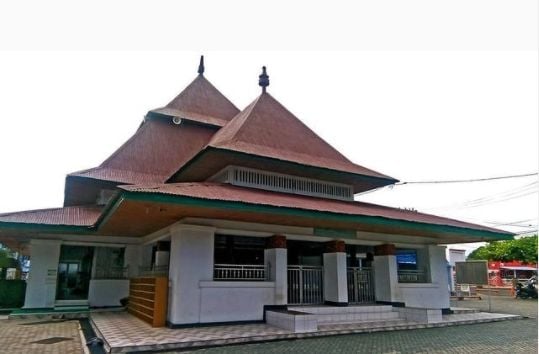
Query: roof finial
[(263, 79), (201, 66)]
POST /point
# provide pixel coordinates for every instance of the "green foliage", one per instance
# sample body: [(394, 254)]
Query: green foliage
[(523, 249), (12, 293), (4, 259)]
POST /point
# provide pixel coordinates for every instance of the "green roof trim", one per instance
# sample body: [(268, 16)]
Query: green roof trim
[(373, 220), (45, 227), (336, 233)]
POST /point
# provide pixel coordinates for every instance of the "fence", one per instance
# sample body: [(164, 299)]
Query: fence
[(305, 285), (360, 285), (239, 272)]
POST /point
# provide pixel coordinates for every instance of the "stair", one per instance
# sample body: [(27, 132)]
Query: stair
[(301, 319), (330, 315)]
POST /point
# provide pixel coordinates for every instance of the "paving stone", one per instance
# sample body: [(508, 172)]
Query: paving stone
[(25, 336)]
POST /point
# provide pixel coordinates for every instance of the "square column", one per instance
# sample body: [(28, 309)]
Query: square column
[(41, 283), (386, 279), (276, 262), (438, 273), (335, 284), (191, 261)]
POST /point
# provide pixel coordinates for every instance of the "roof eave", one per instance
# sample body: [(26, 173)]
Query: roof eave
[(482, 235), (381, 181)]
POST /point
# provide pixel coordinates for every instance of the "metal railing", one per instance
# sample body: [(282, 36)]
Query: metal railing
[(111, 273), (239, 272), (152, 270), (305, 284), (413, 276), (360, 285)]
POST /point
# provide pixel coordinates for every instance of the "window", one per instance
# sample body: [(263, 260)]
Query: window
[(239, 258), (412, 265), (406, 259)]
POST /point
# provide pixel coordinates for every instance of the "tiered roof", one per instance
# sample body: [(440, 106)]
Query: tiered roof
[(196, 135)]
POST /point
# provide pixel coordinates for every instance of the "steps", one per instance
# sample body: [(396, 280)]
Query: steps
[(326, 315), (301, 319)]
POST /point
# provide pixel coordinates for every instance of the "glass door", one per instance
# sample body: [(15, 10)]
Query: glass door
[(74, 272)]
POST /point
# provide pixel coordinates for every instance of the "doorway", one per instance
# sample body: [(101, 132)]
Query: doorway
[(74, 272)]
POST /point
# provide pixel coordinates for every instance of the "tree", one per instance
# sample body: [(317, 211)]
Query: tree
[(523, 249)]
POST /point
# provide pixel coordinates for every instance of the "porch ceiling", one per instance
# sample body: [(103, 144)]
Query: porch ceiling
[(139, 214)]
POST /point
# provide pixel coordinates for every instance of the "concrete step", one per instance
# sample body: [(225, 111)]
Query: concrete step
[(328, 310), (353, 317), (460, 310), (366, 324)]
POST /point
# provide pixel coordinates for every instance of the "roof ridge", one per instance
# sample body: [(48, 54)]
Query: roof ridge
[(244, 114)]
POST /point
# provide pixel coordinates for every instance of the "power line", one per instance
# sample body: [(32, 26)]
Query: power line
[(468, 180), (448, 181), (510, 194)]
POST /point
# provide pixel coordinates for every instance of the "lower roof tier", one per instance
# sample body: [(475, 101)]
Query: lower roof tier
[(139, 210)]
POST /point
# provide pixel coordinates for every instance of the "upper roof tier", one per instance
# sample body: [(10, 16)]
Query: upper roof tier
[(201, 102), (267, 129)]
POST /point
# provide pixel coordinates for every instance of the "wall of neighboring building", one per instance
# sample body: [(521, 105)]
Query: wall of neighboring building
[(41, 283)]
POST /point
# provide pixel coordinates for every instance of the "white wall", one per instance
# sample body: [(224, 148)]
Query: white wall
[(41, 283), (107, 292), (223, 301), (191, 261), (429, 295)]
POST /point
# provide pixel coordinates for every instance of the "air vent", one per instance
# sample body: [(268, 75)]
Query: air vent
[(253, 178)]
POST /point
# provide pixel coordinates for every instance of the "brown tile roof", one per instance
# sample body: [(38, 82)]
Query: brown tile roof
[(201, 101), (267, 128), (225, 192), (72, 216), (153, 154)]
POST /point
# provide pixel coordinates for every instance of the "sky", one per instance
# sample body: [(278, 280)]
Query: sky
[(391, 89)]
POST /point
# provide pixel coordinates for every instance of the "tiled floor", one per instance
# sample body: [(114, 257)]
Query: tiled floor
[(125, 333)]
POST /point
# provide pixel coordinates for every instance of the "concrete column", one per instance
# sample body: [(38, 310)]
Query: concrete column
[(335, 284), (132, 259), (276, 262), (41, 283), (386, 279), (191, 261), (438, 274)]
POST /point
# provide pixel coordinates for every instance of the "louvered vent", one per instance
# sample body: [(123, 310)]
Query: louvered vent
[(247, 177)]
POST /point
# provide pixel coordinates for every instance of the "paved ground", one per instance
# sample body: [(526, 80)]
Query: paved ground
[(20, 337), (519, 336)]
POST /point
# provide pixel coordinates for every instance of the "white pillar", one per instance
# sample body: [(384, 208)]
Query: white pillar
[(335, 284), (276, 263), (386, 279), (132, 259), (41, 283), (191, 261), (438, 274)]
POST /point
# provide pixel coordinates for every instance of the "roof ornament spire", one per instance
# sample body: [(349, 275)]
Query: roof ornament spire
[(201, 66), (263, 80)]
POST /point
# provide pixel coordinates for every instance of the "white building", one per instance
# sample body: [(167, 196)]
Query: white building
[(241, 211)]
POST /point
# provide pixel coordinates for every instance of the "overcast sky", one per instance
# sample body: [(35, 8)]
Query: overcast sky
[(432, 113)]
